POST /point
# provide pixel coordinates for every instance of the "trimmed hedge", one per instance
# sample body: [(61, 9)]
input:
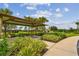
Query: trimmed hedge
[(55, 37), (52, 38), (21, 34)]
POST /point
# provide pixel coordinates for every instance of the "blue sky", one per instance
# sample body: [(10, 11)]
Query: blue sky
[(62, 15)]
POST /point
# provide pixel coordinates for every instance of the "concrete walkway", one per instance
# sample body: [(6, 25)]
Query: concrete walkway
[(66, 47), (49, 44)]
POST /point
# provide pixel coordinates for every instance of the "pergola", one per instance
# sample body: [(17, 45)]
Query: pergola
[(8, 19)]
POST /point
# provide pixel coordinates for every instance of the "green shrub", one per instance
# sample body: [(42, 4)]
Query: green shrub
[(21, 33), (56, 36), (3, 47), (27, 47), (52, 38), (61, 34), (71, 34)]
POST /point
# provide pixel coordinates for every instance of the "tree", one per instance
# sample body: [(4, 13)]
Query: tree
[(36, 22), (5, 11), (77, 23), (29, 20), (71, 28), (42, 19), (53, 28)]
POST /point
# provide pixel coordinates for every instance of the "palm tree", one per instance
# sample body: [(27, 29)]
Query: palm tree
[(30, 21), (5, 11), (36, 22), (42, 20)]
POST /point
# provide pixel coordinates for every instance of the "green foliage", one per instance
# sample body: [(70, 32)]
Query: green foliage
[(54, 36), (35, 22), (61, 34), (5, 11), (27, 47), (71, 34), (53, 28), (21, 33), (77, 23), (3, 47)]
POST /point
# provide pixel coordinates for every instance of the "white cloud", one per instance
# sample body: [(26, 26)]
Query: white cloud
[(41, 13), (6, 5), (62, 23), (17, 14), (32, 6), (35, 4), (58, 10), (48, 4), (66, 9), (59, 14), (46, 13), (29, 4)]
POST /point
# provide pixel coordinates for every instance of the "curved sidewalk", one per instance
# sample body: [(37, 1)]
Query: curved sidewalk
[(66, 47)]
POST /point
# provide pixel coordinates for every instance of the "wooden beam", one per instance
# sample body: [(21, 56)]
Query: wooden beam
[(16, 23), (12, 17), (20, 21)]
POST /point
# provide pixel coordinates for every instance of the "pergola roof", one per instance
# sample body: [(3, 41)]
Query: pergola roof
[(19, 21)]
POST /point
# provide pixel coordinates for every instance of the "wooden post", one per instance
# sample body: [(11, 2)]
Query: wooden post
[(1, 25), (5, 25)]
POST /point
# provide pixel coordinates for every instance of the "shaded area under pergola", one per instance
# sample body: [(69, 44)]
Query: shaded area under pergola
[(8, 19)]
